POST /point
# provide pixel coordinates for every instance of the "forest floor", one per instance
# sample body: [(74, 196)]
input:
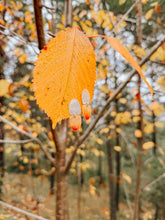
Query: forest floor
[(23, 191)]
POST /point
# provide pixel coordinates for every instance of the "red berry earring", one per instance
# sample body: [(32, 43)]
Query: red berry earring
[(86, 108), (75, 111)]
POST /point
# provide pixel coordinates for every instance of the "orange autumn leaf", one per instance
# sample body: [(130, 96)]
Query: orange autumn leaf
[(24, 105), (65, 67), (117, 45)]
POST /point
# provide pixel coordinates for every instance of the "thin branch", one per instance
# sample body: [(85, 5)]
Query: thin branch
[(43, 148), (124, 16), (52, 35), (100, 114), (147, 187), (127, 198), (22, 211), (16, 141), (47, 7), (17, 37)]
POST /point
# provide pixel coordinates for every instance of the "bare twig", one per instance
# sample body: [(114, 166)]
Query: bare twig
[(124, 16), (148, 186), (100, 114), (52, 160), (16, 37), (16, 141), (127, 198), (50, 34), (47, 7), (22, 211)]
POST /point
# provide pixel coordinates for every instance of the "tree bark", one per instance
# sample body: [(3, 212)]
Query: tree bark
[(58, 136), (39, 23), (61, 188), (140, 127), (68, 13), (153, 122), (118, 166), (3, 58), (111, 183), (139, 163)]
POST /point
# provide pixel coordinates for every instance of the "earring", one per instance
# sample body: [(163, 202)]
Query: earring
[(75, 111), (86, 108)]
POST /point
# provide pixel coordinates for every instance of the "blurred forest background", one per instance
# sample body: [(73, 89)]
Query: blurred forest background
[(119, 170)]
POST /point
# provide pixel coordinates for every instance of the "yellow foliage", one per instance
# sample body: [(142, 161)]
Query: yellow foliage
[(82, 13), (92, 190), (136, 112), (84, 166), (76, 18), (89, 31), (157, 108), (1, 6), (161, 81), (63, 18), (117, 148), (158, 55), (22, 59), (81, 152), (95, 152), (149, 14), (121, 2), (89, 23), (118, 130), (113, 113), (99, 141), (25, 160), (123, 118), (136, 119), (126, 177), (69, 150), (4, 87), (154, 4), (148, 145), (104, 62), (139, 51), (138, 133), (60, 26), (104, 88), (159, 124), (161, 150), (149, 128), (104, 131), (123, 100), (144, 1)]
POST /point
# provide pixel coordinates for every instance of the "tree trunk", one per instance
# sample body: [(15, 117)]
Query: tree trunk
[(118, 167), (68, 13), (52, 177), (156, 212), (117, 173), (153, 122), (100, 180), (112, 206), (3, 58), (39, 23), (139, 163), (154, 133), (60, 185), (140, 140), (1, 152)]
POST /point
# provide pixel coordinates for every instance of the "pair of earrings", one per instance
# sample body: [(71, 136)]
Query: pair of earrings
[(75, 110)]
